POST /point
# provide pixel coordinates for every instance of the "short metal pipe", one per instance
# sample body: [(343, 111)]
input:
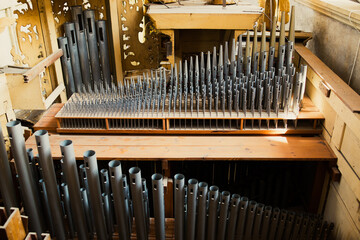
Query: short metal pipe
[(213, 213), (105, 184), (78, 19), (45, 204), (234, 209), (282, 222), (137, 198), (274, 223), (70, 33), (119, 199), (224, 205), (48, 171), (7, 186), (72, 181), (240, 226), (202, 211), (146, 205), (67, 207), (266, 223), (258, 219), (104, 51), (92, 173), (158, 205), (66, 66), (191, 208), (29, 190), (107, 212), (179, 193), (250, 220), (86, 206), (89, 19)]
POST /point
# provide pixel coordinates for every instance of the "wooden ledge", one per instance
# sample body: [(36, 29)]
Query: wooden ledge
[(194, 148), (337, 86)]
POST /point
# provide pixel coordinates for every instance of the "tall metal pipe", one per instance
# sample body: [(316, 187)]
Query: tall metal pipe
[(282, 222), (72, 181), (66, 66), (107, 212), (7, 187), (95, 193), (87, 209), (266, 223), (179, 192), (128, 204), (212, 216), (29, 191), (47, 165), (240, 226), (158, 204), (89, 19), (45, 204), (119, 199), (104, 50), (146, 204), (202, 211), (137, 198), (234, 209), (274, 223), (224, 205), (191, 208), (257, 221), (78, 19), (250, 220), (70, 33)]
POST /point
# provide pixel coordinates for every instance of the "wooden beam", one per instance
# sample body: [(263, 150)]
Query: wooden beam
[(41, 66)]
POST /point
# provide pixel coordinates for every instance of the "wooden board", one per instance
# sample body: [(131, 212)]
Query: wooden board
[(350, 98), (192, 148), (12, 228), (199, 16)]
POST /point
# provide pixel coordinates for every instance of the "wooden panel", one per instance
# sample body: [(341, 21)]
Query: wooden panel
[(13, 228), (336, 211), (338, 132), (194, 148), (350, 148), (344, 92)]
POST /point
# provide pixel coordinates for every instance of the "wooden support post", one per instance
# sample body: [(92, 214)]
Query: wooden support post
[(320, 187)]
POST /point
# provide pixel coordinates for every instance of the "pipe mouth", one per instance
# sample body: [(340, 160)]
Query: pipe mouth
[(193, 181), (203, 185), (40, 133), (156, 177), (252, 203), (179, 176), (13, 123), (268, 208), (65, 143), (103, 171), (214, 188), (244, 199), (89, 153), (114, 164), (134, 170), (29, 150), (277, 210)]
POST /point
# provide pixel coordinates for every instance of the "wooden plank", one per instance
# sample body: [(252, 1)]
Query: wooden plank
[(195, 147), (338, 133), (344, 92), (41, 66), (13, 228), (55, 94)]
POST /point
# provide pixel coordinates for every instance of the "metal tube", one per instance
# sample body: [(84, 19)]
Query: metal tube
[(89, 19), (66, 66), (202, 211), (95, 194), (137, 198), (104, 178), (266, 223), (67, 206), (289, 225), (47, 165), (274, 223), (70, 33), (104, 50), (297, 226), (234, 209), (191, 209), (146, 205), (179, 193), (250, 220), (45, 204), (128, 204), (7, 187), (86, 206), (212, 217), (224, 205), (72, 181), (78, 19), (257, 221), (158, 204), (281, 226), (30, 195), (240, 227), (119, 199)]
